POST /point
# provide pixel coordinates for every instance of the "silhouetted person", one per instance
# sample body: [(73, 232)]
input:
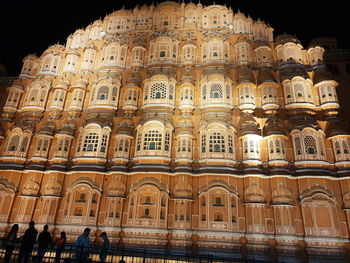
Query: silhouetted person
[(27, 244), (10, 242), (82, 246), (104, 247), (43, 240), (60, 243)]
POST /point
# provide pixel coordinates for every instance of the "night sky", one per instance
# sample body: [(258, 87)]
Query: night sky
[(30, 26)]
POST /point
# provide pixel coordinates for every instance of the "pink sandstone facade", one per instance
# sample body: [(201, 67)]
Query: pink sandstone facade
[(179, 125)]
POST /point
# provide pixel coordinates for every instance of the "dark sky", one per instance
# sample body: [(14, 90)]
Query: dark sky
[(30, 26)]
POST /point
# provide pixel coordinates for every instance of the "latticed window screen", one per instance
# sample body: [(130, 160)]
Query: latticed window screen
[(320, 145), (46, 145), (310, 145), (171, 91), (215, 91), (152, 140), (204, 92), (78, 96), (91, 142), (104, 143), (13, 143), (230, 143), (345, 146), (66, 145), (203, 143), (120, 145), (131, 95), (60, 145), (33, 95), (167, 142), (24, 145), (271, 147), (126, 146), (216, 142), (245, 146), (138, 143), (102, 93), (337, 148), (278, 146), (297, 143), (228, 91), (158, 91), (43, 95)]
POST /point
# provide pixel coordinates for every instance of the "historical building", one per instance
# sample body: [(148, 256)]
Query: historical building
[(180, 125)]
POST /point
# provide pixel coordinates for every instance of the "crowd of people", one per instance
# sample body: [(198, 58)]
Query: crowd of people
[(27, 241)]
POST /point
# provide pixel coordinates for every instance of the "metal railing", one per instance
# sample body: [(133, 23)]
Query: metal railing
[(73, 254)]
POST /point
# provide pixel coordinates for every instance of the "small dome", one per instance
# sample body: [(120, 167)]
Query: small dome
[(337, 127), (265, 76), (274, 126), (248, 125), (30, 56), (191, 5), (320, 76), (286, 38), (245, 76), (239, 14)]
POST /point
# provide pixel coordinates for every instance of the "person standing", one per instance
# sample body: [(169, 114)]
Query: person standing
[(28, 241), (104, 247), (82, 246), (10, 242), (43, 240), (60, 243)]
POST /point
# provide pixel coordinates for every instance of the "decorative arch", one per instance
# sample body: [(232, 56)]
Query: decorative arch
[(154, 138), (320, 212), (217, 141), (218, 206), (7, 195), (148, 203), (81, 201), (308, 144)]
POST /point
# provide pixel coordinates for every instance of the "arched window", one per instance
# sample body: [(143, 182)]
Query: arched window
[(203, 143), (24, 145), (102, 93), (91, 142), (216, 91), (269, 95), (158, 90), (152, 140), (12, 147), (310, 145), (216, 142)]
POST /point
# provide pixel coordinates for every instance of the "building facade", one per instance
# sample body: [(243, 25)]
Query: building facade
[(180, 125)]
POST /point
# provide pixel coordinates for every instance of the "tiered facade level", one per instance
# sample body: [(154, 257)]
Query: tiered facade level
[(179, 125)]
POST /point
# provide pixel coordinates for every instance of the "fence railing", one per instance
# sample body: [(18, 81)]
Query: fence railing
[(73, 254)]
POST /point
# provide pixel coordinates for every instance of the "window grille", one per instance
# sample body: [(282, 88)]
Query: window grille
[(91, 142)]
